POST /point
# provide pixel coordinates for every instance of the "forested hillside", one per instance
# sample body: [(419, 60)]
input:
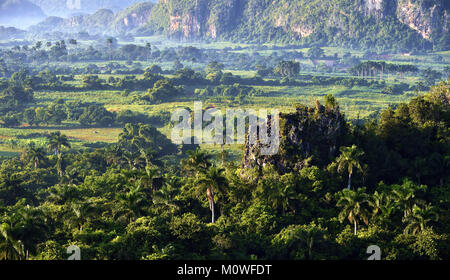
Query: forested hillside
[(312, 130), (123, 202), (400, 25), (403, 24)]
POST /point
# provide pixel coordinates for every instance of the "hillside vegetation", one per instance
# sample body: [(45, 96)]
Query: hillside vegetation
[(356, 23)]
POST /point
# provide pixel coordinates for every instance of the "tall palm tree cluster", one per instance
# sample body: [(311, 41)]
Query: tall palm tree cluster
[(37, 156), (20, 230), (379, 68), (136, 197), (380, 208), (349, 160), (358, 206), (136, 200)]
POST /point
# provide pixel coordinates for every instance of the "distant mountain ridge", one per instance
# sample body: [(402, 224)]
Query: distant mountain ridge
[(359, 23), (19, 13), (65, 8), (381, 24), (103, 21), (8, 33)]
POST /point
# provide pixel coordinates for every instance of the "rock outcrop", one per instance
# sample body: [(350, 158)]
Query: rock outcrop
[(426, 17), (133, 17), (309, 135)]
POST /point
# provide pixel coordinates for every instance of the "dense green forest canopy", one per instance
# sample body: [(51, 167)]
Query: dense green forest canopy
[(87, 152), (123, 202)]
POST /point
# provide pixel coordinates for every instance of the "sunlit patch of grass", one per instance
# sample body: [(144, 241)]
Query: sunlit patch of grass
[(14, 140), (242, 73), (107, 135), (98, 96)]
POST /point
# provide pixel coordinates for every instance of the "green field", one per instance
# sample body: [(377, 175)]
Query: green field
[(355, 102)]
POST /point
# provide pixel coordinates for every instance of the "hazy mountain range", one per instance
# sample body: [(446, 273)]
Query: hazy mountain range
[(64, 8), (19, 13), (103, 21), (407, 24)]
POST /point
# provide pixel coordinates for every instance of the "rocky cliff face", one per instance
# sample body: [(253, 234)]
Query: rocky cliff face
[(426, 17), (308, 135), (377, 8), (188, 25), (297, 18), (133, 17), (423, 16), (364, 23)]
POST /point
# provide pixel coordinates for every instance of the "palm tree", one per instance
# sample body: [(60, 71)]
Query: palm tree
[(166, 195), (33, 227), (34, 155), (196, 161), (148, 46), (419, 218), (57, 141), (74, 43), (131, 204), (110, 42), (72, 178), (348, 160), (60, 194), (310, 235), (80, 212), (38, 45), (382, 206), (133, 159), (354, 206), (405, 196), (10, 247), (211, 181), (61, 166), (149, 156), (131, 137), (223, 155), (12, 187), (277, 193)]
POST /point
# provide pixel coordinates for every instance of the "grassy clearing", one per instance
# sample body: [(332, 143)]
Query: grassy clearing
[(99, 96), (13, 141), (354, 102)]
